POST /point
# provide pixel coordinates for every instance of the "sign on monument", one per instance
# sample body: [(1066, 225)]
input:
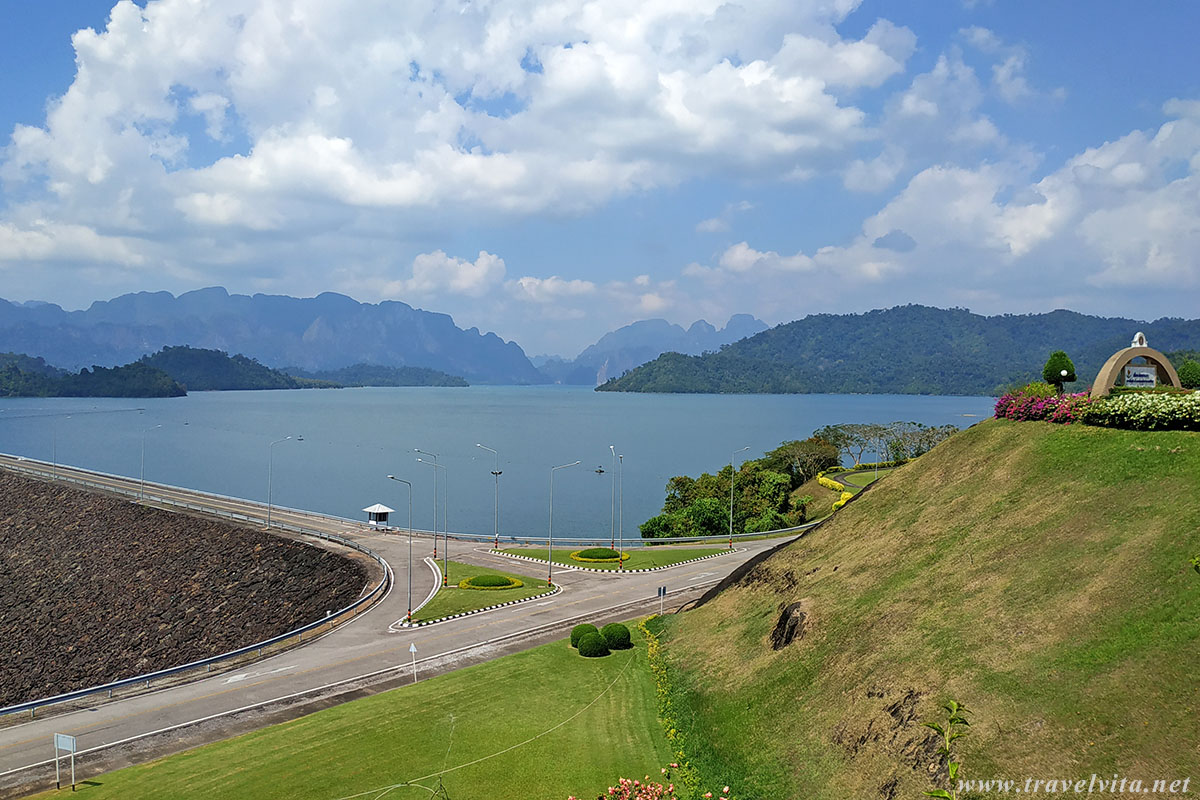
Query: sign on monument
[(1141, 377)]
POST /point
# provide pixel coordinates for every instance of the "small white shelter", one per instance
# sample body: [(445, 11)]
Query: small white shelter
[(378, 514)]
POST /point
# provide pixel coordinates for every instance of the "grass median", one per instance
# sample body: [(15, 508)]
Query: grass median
[(453, 600), (639, 557), (544, 723)]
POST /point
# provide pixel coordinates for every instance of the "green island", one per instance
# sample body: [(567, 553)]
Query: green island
[(22, 376), (543, 703), (636, 557), (454, 599)]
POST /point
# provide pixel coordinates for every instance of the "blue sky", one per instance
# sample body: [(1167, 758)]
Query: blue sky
[(553, 172)]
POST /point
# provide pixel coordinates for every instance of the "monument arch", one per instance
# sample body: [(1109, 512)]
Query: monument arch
[(1114, 369)]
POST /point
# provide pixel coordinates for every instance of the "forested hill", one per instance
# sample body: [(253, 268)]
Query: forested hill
[(903, 350), (212, 370), (21, 376), (375, 375)]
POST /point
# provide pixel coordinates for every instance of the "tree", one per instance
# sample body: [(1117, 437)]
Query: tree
[(1189, 374), (1058, 363)]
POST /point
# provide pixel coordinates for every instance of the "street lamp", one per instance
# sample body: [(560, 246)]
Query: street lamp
[(497, 473), (731, 455), (142, 474), (271, 468), (408, 617), (434, 456), (445, 518), (550, 554), (621, 527), (612, 525)]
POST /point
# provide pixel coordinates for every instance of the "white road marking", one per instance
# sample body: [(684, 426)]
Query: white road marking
[(241, 676)]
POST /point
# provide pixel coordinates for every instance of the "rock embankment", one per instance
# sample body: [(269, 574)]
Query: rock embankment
[(95, 588)]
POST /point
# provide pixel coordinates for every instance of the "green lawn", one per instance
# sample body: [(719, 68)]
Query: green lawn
[(639, 557), (594, 720), (453, 600)]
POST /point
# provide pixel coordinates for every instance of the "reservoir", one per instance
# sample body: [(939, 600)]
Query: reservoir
[(353, 438)]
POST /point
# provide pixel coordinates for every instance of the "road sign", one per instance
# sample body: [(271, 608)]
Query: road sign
[(662, 594), (64, 742), (412, 648)]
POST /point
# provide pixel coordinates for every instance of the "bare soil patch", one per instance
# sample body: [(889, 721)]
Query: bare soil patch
[(94, 588)]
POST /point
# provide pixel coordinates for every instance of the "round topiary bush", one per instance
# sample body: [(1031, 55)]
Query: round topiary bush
[(579, 631), (593, 646), (598, 554), (616, 636), (490, 582)]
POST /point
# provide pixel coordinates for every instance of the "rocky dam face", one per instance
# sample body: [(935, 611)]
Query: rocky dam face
[(94, 588)]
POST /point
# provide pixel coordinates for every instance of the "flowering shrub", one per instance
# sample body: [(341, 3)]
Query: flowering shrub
[(647, 789), (666, 710), (1145, 412), (832, 485), (1040, 401), (841, 501)]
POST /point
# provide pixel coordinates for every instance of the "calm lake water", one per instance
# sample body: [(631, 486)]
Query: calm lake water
[(220, 441)]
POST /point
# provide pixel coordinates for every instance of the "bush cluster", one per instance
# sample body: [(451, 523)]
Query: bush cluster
[(593, 645), (1041, 401), (1189, 374), (1145, 412), (841, 501)]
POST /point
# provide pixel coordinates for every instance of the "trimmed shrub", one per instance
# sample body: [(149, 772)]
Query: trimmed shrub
[(579, 631), (831, 485), (841, 501), (593, 646), (598, 554), (490, 582), (1189, 374), (1058, 363), (616, 636)]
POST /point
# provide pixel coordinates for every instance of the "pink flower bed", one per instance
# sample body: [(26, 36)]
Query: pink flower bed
[(1029, 404)]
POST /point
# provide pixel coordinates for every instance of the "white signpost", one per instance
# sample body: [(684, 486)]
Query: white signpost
[(412, 648), (65, 743), (1144, 377), (662, 594)]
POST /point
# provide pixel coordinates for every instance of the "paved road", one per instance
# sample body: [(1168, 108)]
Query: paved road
[(366, 654)]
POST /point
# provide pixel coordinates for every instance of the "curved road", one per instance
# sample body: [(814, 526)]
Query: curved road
[(365, 655)]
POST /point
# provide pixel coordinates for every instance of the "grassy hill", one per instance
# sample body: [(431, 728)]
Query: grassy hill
[(1037, 573)]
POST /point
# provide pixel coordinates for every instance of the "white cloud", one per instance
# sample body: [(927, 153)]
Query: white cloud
[(874, 175), (436, 272), (741, 257), (712, 225)]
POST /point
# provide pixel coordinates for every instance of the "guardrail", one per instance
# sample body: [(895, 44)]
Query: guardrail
[(352, 609), (151, 490)]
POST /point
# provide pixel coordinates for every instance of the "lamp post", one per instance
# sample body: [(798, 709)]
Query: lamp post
[(142, 474), (445, 515), (550, 554), (434, 456), (497, 473), (731, 455), (621, 501), (271, 469), (408, 617), (612, 526)]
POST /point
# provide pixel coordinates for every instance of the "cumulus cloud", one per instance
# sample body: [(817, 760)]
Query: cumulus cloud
[(437, 272)]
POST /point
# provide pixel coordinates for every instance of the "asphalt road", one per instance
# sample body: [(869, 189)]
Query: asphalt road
[(367, 654)]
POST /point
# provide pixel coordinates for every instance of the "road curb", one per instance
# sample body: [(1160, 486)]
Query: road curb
[(427, 623), (614, 571)]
